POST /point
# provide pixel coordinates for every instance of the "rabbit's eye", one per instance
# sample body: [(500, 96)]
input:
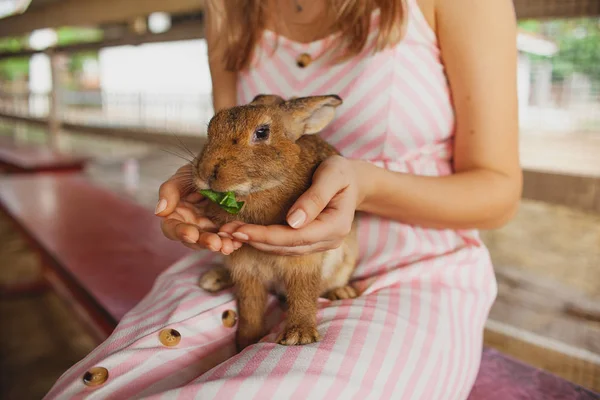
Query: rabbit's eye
[(261, 133)]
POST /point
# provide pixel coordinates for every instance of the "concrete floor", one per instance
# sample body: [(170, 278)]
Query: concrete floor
[(547, 262)]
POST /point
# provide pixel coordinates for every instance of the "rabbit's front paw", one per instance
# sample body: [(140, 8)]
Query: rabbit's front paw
[(215, 279), (300, 334), (341, 293)]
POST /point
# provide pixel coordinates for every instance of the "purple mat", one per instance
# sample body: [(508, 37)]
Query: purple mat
[(503, 378)]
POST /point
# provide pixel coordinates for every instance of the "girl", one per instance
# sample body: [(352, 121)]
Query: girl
[(428, 129)]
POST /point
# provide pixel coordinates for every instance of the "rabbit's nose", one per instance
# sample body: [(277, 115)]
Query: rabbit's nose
[(215, 173)]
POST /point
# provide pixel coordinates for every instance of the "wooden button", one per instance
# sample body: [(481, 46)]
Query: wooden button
[(169, 337), (303, 60), (95, 376), (229, 318)]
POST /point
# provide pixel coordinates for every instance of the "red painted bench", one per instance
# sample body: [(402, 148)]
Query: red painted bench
[(32, 159), (101, 251), (104, 252), (503, 378)]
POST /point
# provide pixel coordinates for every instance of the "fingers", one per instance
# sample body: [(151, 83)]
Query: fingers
[(193, 246), (280, 235), (297, 250), (325, 232), (190, 234), (274, 235), (225, 232), (229, 228), (172, 190), (210, 241), (169, 228), (227, 247), (327, 182), (187, 233), (191, 215)]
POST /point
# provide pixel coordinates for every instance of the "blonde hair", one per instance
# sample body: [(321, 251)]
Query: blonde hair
[(242, 24)]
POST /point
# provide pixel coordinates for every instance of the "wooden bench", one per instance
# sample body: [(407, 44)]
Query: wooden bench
[(103, 254), (33, 159), (100, 251)]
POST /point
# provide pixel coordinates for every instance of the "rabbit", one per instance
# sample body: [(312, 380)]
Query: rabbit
[(266, 152)]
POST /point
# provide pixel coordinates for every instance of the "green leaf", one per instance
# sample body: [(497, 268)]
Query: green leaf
[(229, 200), (225, 200), (209, 194)]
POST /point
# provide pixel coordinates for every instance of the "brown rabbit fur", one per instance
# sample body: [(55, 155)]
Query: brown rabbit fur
[(266, 152)]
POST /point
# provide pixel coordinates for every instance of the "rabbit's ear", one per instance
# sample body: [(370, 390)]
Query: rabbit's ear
[(309, 115), (267, 100)]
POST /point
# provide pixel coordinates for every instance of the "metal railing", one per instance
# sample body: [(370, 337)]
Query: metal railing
[(183, 113)]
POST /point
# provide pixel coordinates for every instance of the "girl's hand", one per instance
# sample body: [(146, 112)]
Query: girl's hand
[(319, 220), (183, 219)]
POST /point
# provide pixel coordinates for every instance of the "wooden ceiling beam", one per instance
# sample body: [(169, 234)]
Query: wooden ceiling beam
[(90, 12), (183, 31), (546, 9)]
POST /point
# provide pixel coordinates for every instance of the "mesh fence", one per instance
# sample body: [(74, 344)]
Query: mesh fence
[(182, 113)]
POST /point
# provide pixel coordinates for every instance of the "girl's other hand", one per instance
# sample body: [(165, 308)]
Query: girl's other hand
[(182, 212), (319, 220)]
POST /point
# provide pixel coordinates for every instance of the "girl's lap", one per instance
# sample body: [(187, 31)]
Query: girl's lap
[(413, 339)]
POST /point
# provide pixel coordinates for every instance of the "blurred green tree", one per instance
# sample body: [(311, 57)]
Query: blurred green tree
[(12, 69), (578, 42), (70, 35)]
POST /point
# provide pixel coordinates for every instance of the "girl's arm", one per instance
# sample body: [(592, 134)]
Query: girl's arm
[(478, 46), (223, 82)]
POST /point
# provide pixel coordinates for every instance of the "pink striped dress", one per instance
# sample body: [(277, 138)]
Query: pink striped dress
[(415, 332)]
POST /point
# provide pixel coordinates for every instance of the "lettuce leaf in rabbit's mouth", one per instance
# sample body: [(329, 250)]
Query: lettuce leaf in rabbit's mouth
[(225, 200)]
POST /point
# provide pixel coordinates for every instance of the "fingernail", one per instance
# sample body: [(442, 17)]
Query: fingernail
[(297, 218), (189, 240), (240, 236), (160, 207), (224, 234)]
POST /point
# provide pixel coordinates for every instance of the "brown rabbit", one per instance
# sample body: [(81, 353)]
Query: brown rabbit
[(266, 152)]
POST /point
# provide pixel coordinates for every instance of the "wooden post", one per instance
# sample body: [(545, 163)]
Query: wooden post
[(54, 121)]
